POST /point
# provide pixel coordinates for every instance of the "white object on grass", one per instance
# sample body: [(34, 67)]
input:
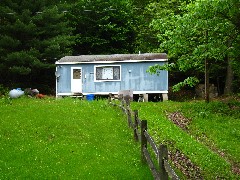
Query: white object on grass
[(15, 93)]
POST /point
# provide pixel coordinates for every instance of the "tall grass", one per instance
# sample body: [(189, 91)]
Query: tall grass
[(66, 139), (215, 122)]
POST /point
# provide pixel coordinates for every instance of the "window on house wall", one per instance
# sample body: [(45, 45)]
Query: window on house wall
[(76, 73), (107, 73)]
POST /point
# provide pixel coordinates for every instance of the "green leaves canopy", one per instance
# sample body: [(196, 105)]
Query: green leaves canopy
[(34, 34), (205, 29)]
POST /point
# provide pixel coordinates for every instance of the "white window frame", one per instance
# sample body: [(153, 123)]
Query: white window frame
[(106, 66)]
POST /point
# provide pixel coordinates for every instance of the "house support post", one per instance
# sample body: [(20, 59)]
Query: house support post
[(164, 96), (145, 97)]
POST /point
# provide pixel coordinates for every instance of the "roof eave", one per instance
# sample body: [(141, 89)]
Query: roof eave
[(109, 62)]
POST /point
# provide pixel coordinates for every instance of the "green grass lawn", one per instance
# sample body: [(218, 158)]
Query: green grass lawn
[(66, 139), (211, 141)]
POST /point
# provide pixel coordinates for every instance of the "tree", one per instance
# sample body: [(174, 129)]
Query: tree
[(229, 11), (150, 12), (206, 30), (103, 27), (33, 35)]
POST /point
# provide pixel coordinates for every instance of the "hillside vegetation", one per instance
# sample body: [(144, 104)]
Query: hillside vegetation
[(202, 138), (69, 138), (66, 139)]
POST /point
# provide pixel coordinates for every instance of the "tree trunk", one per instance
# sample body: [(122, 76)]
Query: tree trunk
[(206, 81), (207, 75), (229, 77)]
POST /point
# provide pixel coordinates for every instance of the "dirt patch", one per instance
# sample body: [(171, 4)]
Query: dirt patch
[(178, 119), (181, 161), (184, 164), (236, 169)]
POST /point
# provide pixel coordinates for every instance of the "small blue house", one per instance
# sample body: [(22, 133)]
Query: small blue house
[(104, 74)]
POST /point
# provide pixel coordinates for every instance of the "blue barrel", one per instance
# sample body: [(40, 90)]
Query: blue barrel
[(90, 97)]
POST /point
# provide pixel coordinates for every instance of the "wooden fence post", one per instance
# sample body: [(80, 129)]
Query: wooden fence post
[(122, 103), (163, 154), (129, 117), (135, 126), (127, 100), (143, 139)]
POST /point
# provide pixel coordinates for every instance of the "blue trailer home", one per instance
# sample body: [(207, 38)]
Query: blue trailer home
[(104, 74)]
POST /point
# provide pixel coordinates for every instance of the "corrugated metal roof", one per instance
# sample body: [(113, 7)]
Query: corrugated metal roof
[(113, 57)]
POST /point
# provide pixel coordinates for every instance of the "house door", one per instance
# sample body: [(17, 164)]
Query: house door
[(76, 79)]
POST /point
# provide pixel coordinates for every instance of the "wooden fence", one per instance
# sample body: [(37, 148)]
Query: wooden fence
[(158, 165)]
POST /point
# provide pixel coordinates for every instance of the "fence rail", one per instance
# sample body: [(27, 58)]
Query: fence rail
[(159, 165)]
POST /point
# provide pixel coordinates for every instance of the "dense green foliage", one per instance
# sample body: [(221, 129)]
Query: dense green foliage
[(103, 27), (209, 139), (66, 139), (34, 34), (203, 30)]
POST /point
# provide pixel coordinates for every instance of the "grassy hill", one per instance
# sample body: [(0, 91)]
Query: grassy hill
[(66, 139), (203, 139), (73, 139)]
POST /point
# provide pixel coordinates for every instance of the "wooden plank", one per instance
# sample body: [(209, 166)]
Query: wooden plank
[(152, 143), (120, 96), (130, 111), (124, 109), (139, 122), (129, 117), (163, 154), (138, 134), (151, 164), (171, 172), (126, 94), (135, 135), (143, 139)]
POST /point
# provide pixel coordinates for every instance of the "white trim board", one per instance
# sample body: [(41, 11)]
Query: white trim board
[(106, 93)]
